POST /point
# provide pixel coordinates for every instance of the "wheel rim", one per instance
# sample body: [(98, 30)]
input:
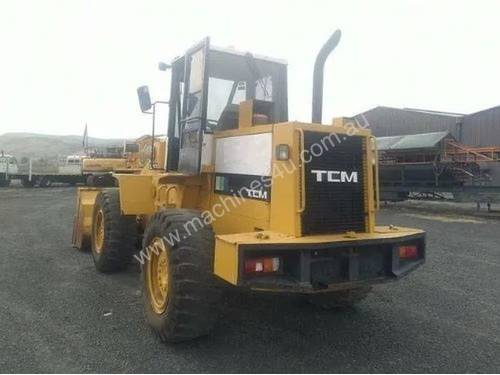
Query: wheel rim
[(157, 276), (99, 231)]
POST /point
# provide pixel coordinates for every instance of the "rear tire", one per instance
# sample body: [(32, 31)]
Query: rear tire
[(27, 183), (113, 236), (182, 304), (45, 182), (106, 180), (339, 299), (4, 182), (89, 181)]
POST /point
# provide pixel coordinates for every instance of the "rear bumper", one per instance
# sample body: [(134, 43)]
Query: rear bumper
[(329, 263)]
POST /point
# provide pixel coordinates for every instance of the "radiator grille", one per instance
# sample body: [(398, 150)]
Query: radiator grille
[(335, 204)]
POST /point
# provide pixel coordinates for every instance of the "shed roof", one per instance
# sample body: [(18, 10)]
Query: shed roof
[(411, 142), (388, 121)]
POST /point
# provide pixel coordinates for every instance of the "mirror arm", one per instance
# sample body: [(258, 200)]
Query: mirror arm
[(153, 129), (155, 103)]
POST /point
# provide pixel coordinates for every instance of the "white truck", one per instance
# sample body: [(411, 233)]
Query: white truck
[(41, 173), (8, 168)]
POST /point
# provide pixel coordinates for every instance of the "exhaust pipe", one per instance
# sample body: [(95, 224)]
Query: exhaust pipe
[(319, 67)]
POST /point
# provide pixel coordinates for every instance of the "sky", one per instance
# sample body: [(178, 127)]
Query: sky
[(65, 64)]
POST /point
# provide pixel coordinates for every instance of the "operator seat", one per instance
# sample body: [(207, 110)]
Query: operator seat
[(261, 114), (229, 117)]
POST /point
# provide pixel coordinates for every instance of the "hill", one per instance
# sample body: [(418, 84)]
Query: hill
[(48, 146)]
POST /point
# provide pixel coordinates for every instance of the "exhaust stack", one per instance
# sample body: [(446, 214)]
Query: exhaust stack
[(319, 67)]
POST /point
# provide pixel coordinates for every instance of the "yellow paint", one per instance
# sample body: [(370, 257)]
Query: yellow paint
[(238, 132), (158, 276), (226, 260), (82, 222), (233, 215), (288, 179), (101, 165), (245, 116), (136, 194), (273, 238)]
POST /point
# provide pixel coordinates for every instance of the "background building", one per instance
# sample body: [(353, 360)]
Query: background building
[(477, 129)]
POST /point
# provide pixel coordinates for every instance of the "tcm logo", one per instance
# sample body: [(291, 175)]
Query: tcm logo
[(257, 194), (335, 176)]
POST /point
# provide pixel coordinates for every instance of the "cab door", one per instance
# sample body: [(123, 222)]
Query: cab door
[(194, 111)]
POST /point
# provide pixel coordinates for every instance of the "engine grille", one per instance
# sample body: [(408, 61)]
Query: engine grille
[(336, 203)]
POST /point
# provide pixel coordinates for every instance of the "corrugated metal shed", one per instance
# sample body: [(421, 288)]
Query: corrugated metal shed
[(477, 129), (482, 128), (411, 142), (387, 121)]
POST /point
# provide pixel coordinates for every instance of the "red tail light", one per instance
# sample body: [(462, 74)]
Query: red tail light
[(262, 265), (408, 252)]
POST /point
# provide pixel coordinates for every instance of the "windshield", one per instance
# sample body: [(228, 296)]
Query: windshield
[(223, 92), (235, 78)]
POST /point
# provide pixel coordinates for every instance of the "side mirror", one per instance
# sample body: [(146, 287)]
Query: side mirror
[(164, 66), (144, 98)]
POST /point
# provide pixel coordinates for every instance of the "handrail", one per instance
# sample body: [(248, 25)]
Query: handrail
[(375, 172), (302, 204)]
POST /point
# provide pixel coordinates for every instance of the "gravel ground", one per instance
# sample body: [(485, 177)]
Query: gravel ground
[(58, 315)]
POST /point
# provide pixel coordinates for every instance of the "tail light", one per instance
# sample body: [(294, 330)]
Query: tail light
[(262, 265), (408, 252)]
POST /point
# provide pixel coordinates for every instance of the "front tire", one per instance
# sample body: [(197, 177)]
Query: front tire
[(113, 235), (179, 291)]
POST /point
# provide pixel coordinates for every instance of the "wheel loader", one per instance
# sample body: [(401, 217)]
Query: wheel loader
[(246, 199), (99, 165)]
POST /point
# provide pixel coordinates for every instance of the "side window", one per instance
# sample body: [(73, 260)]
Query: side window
[(264, 89), (240, 94), (193, 103), (178, 111), (218, 96)]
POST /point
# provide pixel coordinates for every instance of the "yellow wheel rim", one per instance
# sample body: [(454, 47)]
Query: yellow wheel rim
[(99, 231), (157, 276)]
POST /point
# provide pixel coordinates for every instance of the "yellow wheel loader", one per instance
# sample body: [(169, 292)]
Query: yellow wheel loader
[(98, 167), (246, 198)]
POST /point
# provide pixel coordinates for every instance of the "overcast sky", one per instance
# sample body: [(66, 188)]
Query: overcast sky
[(67, 63)]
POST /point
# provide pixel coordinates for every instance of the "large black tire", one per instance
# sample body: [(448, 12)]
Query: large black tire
[(114, 250), (4, 182), (27, 183), (105, 180), (45, 182), (190, 308), (339, 299), (89, 181)]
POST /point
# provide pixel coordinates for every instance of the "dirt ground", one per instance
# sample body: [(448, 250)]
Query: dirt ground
[(58, 315)]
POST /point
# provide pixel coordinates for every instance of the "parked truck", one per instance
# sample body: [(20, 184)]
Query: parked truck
[(40, 172), (8, 167)]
